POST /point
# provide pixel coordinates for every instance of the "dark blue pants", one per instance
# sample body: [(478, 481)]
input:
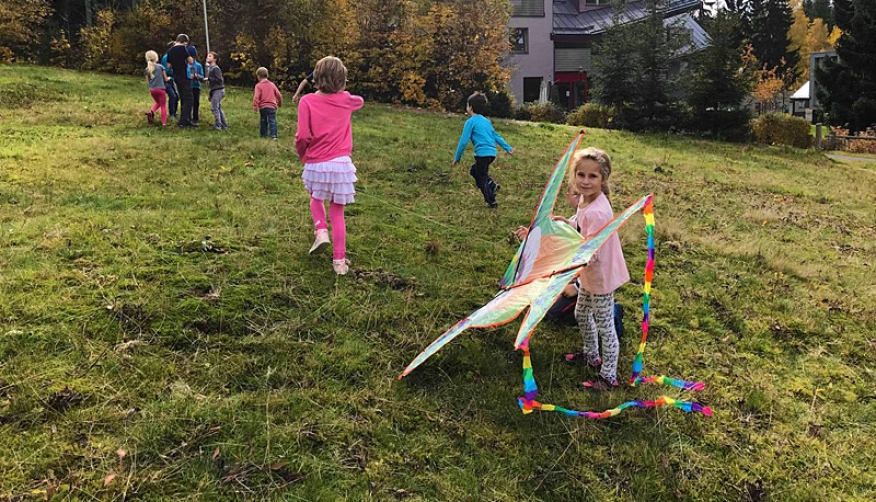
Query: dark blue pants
[(268, 122), (196, 103), (480, 171), (172, 97)]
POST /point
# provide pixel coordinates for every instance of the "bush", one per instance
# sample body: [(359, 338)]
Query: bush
[(723, 125), (541, 112), (499, 104), (591, 115), (522, 112), (781, 129)]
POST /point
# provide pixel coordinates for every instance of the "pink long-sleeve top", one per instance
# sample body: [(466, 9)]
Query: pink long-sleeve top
[(324, 128), (607, 271), (266, 96)]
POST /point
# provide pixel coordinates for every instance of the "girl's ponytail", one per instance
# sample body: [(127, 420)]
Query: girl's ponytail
[(151, 59)]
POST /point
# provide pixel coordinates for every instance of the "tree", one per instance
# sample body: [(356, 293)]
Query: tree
[(716, 84), (633, 69), (715, 80), (807, 36), (769, 25), (847, 88), (20, 25), (819, 9)]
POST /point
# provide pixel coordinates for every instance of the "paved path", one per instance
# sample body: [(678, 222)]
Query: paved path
[(851, 159)]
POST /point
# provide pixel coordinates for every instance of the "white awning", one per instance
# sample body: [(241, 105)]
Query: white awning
[(802, 93)]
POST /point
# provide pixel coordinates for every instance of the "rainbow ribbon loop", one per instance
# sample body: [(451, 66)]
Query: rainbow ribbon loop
[(528, 403)]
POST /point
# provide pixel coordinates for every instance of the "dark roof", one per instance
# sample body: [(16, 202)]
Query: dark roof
[(568, 21), (698, 37)]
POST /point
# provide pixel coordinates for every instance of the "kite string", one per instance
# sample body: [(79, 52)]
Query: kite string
[(455, 229)]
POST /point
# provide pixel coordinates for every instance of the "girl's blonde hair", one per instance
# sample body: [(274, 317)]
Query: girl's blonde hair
[(151, 59), (598, 156), (330, 75)]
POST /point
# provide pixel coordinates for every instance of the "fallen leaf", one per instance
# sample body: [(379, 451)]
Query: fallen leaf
[(277, 466), (109, 479), (121, 453), (215, 453)]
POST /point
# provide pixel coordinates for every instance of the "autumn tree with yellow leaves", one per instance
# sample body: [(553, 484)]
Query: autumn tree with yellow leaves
[(807, 36)]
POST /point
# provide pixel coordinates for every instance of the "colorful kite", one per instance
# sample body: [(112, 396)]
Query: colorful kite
[(548, 259)]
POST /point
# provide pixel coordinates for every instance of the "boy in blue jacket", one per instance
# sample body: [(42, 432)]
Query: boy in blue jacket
[(197, 77), (480, 131)]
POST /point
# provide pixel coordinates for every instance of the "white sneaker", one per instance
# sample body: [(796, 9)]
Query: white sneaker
[(321, 242), (341, 266)]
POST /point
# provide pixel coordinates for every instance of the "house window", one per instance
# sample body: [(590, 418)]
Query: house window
[(531, 89), (596, 2), (527, 8), (520, 41)]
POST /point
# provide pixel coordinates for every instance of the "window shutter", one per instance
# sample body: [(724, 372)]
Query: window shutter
[(572, 59)]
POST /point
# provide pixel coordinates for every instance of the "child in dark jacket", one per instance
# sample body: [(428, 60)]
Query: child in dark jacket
[(217, 91)]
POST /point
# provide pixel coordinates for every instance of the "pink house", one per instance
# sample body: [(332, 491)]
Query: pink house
[(553, 42)]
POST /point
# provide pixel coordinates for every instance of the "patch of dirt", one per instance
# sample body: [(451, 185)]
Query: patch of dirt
[(64, 400), (133, 317), (378, 276)]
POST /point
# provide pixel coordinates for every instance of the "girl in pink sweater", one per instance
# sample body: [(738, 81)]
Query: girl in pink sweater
[(324, 141), (607, 271)]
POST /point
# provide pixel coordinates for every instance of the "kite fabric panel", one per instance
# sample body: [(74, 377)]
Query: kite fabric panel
[(548, 259), (544, 211)]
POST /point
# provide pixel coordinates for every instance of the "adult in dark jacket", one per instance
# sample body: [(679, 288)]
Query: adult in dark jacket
[(179, 60)]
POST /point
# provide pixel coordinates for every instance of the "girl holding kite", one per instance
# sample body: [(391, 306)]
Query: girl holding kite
[(607, 271)]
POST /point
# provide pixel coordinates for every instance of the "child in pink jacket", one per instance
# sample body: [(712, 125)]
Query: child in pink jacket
[(324, 141), (266, 100)]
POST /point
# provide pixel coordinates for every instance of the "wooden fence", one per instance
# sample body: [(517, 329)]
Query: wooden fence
[(833, 141)]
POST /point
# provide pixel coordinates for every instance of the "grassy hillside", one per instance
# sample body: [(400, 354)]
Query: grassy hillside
[(136, 362)]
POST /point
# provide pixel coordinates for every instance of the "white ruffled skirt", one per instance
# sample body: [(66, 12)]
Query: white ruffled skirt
[(331, 180)]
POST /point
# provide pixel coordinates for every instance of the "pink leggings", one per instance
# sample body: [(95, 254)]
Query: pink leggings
[(339, 226), (160, 97)]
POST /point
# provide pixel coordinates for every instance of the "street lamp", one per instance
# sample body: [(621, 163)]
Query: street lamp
[(206, 29)]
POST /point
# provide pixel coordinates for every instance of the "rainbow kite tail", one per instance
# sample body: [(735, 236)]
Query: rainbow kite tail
[(639, 360), (528, 403), (665, 380)]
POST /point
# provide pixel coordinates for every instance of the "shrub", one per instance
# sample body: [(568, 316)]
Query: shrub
[(522, 112), (781, 129), (541, 112), (499, 104), (724, 125), (591, 115)]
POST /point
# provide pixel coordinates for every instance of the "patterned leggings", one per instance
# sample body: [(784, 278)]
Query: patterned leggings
[(595, 313)]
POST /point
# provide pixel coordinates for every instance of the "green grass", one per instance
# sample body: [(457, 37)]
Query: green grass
[(259, 374)]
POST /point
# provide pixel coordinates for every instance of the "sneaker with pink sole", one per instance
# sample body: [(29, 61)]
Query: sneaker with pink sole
[(321, 242), (341, 266)]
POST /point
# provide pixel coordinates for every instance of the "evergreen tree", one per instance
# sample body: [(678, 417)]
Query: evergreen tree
[(714, 80), (819, 9), (633, 69), (769, 24), (715, 84), (847, 88), (615, 59)]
